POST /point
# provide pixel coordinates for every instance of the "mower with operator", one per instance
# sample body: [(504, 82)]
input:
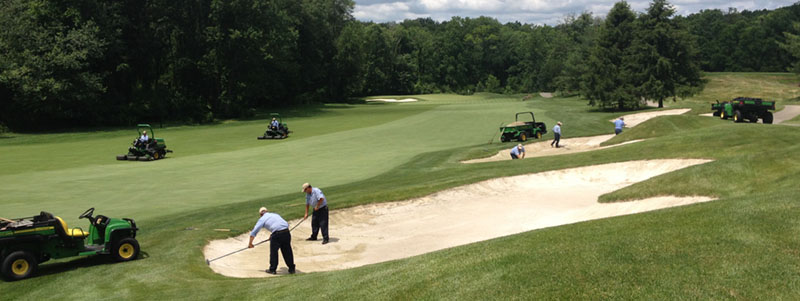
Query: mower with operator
[(27, 242), (277, 129), (522, 130), (744, 108), (152, 149)]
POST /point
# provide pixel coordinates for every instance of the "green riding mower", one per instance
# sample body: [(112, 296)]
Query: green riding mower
[(522, 130), (146, 150), (27, 242), (276, 129)]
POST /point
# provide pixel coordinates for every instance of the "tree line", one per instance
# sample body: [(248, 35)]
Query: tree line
[(100, 62)]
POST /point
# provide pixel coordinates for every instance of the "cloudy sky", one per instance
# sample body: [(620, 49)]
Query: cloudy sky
[(550, 12)]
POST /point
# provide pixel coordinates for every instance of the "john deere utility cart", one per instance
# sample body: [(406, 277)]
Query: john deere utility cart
[(744, 109), (276, 131), (152, 149), (523, 130), (27, 242)]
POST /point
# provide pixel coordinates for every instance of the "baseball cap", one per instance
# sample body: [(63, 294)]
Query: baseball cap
[(262, 209), (305, 185)]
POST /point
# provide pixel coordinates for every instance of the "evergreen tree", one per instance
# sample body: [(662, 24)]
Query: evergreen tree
[(607, 82), (663, 56)]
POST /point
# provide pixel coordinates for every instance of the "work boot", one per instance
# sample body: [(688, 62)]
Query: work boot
[(291, 271), (325, 241), (272, 272), (311, 239)]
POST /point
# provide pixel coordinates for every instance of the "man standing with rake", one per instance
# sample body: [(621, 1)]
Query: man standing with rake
[(279, 239), (319, 218)]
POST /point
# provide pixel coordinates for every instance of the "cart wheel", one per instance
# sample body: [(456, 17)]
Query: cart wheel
[(19, 265), (125, 249), (737, 116), (156, 155), (538, 135), (722, 115), (767, 118), (503, 138), (523, 137)]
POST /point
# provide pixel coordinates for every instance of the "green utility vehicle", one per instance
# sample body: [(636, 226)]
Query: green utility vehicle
[(744, 108), (27, 242), (277, 129), (152, 149), (522, 130)]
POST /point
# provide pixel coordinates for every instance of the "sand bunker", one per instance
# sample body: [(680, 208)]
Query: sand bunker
[(392, 100), (580, 144), (633, 120), (546, 94), (543, 148), (462, 215)]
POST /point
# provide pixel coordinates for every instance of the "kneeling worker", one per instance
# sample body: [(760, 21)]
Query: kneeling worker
[(279, 239), (518, 152)]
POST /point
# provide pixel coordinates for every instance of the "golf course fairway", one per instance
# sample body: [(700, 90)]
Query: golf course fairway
[(742, 245)]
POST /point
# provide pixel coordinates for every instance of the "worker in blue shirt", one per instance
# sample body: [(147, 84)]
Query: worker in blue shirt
[(557, 133), (319, 218), (618, 125), (274, 124), (518, 152), (279, 239)]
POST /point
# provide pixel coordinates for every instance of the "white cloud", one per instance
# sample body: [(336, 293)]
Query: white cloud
[(529, 11)]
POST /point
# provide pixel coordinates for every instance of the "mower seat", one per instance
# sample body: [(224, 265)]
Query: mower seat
[(74, 233)]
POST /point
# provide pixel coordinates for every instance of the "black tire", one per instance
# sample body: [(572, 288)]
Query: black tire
[(722, 115), (125, 249), (767, 118), (538, 135), (19, 265), (716, 113), (737, 116), (503, 138), (156, 155), (523, 137)]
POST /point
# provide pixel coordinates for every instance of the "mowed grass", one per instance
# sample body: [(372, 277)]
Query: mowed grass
[(743, 245)]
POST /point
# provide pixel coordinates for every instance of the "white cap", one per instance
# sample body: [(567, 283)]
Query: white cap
[(262, 210)]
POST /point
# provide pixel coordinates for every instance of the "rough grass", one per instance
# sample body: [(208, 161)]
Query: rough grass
[(743, 245)]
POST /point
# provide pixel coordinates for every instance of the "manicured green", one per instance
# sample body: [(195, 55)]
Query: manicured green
[(743, 245)]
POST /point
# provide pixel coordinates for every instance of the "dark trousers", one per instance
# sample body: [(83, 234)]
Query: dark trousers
[(513, 156), (319, 220), (282, 241), (556, 140), (617, 131)]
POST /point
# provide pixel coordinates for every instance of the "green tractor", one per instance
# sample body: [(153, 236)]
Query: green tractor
[(27, 242), (744, 108), (276, 129), (522, 130), (152, 149)]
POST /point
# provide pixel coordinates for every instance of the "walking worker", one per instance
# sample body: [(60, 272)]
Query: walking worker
[(279, 239), (319, 218), (557, 134), (518, 152), (618, 125)]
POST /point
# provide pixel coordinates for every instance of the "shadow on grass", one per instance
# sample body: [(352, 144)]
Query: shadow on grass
[(84, 262)]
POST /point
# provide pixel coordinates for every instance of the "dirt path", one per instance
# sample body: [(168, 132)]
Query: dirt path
[(788, 113), (580, 144), (494, 208)]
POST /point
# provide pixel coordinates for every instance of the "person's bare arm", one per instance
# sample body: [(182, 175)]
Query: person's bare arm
[(319, 202), (250, 245), (306, 215)]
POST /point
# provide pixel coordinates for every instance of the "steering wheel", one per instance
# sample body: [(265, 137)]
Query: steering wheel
[(87, 214)]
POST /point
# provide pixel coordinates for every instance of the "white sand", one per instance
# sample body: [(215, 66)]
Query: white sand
[(546, 94), (393, 100), (580, 144), (462, 215)]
